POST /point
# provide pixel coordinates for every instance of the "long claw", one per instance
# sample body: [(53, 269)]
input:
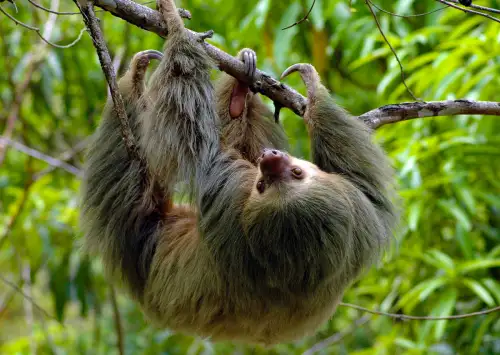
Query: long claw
[(140, 63), (308, 74), (150, 54), (248, 57)]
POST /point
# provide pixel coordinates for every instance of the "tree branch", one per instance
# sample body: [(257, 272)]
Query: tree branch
[(150, 20), (409, 110), (87, 9)]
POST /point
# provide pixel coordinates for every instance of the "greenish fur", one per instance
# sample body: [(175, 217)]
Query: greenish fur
[(237, 264)]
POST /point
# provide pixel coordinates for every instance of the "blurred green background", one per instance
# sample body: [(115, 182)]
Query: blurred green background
[(446, 259)]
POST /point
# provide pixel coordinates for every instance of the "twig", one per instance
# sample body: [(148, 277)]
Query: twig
[(51, 11), (118, 322), (335, 338), (64, 157), (41, 156), (302, 19), (369, 4), (87, 10), (407, 16), (409, 317), (37, 31), (15, 216), (409, 110), (479, 7), (20, 291), (465, 9), (27, 305)]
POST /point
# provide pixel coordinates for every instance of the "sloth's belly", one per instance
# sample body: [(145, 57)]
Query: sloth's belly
[(257, 322)]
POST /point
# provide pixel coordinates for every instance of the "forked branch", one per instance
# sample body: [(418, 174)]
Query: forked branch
[(284, 95)]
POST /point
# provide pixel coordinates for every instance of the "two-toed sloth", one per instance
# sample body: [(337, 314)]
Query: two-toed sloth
[(270, 242)]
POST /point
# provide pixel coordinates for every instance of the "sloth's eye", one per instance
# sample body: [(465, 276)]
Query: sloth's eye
[(297, 172), (261, 186)]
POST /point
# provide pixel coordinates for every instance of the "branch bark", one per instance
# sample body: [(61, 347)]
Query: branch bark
[(284, 95), (409, 110), (87, 9)]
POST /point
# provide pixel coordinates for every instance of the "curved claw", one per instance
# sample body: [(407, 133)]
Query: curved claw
[(308, 74), (140, 62), (249, 58), (150, 54)]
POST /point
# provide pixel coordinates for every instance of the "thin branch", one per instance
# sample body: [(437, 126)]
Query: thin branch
[(64, 157), (465, 9), (15, 216), (407, 16), (38, 32), (369, 4), (303, 18), (118, 322), (27, 305), (479, 7), (335, 338), (41, 156), (51, 11), (27, 297), (15, 106), (410, 110), (91, 21), (409, 317)]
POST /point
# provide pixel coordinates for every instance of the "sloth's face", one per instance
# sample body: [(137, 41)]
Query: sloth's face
[(280, 173)]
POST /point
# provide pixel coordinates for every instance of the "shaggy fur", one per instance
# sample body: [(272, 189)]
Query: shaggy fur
[(247, 123), (243, 264)]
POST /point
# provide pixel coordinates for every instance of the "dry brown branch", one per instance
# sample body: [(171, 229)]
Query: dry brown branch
[(92, 23), (410, 110)]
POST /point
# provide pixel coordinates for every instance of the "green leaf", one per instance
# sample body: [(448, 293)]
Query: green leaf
[(420, 293), (415, 210), (440, 260), (483, 264), (444, 308), (494, 287), (479, 290), (456, 212)]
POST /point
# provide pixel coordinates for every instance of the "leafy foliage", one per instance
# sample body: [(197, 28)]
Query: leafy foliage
[(446, 259)]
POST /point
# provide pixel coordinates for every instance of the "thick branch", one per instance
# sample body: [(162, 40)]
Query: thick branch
[(410, 110), (151, 20)]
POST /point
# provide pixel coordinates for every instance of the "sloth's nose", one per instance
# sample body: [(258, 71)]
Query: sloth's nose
[(273, 163)]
